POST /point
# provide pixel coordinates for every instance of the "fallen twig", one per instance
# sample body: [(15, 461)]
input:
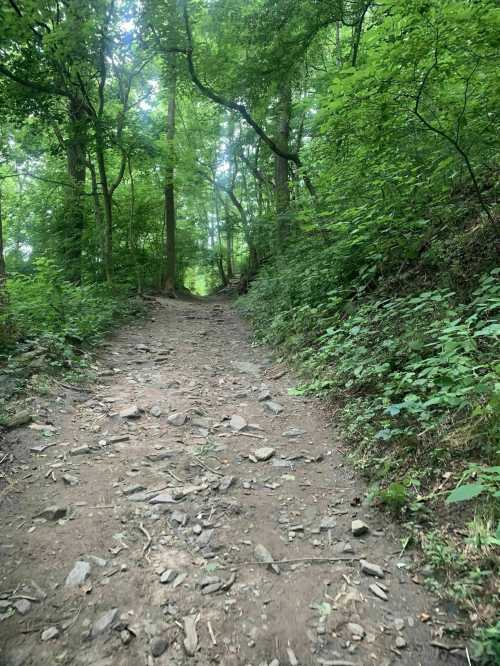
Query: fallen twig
[(211, 632), (209, 469), (176, 478), (147, 545), (250, 434), (303, 559)]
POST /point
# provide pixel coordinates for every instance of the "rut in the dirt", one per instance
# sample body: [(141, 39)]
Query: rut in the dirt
[(187, 510)]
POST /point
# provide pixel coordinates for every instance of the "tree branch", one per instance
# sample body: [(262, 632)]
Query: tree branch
[(235, 106)]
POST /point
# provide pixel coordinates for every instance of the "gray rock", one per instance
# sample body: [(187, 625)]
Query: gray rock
[(225, 483), (247, 367), (158, 646), (371, 569), (293, 432), (155, 411), (237, 423), (400, 642), (264, 453), (131, 490), (177, 419), (327, 523), (399, 623), (53, 512), (200, 422), (158, 456), (50, 633), (355, 629), (103, 622), (131, 412), (358, 528), (126, 636), (70, 480), (80, 450), (264, 395), (273, 407), (179, 517), (22, 606), (168, 576), (163, 498), (101, 562), (264, 556), (379, 592), (116, 439), (19, 419), (78, 574)]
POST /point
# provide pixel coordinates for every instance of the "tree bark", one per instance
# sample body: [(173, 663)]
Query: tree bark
[(3, 270), (284, 108), (74, 224), (169, 189)]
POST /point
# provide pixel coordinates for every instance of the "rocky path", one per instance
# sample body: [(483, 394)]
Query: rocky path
[(188, 511)]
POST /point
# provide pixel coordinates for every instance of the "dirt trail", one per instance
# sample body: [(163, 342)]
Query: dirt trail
[(144, 496)]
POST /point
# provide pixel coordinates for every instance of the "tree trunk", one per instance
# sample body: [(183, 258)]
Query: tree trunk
[(108, 205), (169, 190), (2, 257), (74, 223), (284, 108)]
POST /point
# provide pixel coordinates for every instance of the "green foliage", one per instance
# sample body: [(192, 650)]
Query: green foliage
[(486, 646), (47, 311), (487, 481)]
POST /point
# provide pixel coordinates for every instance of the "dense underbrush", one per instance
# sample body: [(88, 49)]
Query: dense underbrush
[(410, 362), (49, 325)]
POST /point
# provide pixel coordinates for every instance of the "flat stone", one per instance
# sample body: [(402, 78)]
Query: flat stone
[(163, 498), (168, 576), (78, 574), (264, 453), (264, 556), (22, 606), (158, 646), (53, 512), (327, 523), (131, 412), (179, 517), (293, 432), (358, 528), (379, 592), (70, 480), (103, 622), (371, 569), (177, 419), (155, 411), (273, 407), (80, 450), (247, 367), (200, 422), (355, 629), (19, 419), (116, 439), (50, 633), (237, 423), (158, 456), (135, 488), (226, 482), (43, 427)]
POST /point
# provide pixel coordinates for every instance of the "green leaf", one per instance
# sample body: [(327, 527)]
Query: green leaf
[(466, 492)]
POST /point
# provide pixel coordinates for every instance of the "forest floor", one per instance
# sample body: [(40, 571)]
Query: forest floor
[(137, 536)]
